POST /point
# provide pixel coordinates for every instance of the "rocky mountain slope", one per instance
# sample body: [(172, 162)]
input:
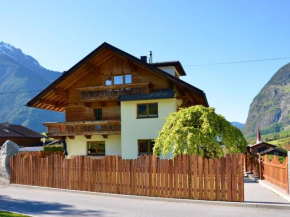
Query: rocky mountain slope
[(270, 109), (20, 76)]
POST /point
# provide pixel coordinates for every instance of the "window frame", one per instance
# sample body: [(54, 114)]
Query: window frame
[(148, 146), (97, 144), (113, 79), (147, 110)]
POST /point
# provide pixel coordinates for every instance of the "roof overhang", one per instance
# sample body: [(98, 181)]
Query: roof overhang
[(53, 90), (175, 64)]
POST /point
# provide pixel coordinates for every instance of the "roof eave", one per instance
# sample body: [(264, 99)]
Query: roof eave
[(122, 53)]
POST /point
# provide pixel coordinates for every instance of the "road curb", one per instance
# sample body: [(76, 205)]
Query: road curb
[(201, 202)]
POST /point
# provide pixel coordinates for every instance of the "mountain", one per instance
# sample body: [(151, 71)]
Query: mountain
[(20, 76), (270, 109), (238, 125)]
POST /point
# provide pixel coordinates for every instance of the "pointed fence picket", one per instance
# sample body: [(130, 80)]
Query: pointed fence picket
[(186, 176)]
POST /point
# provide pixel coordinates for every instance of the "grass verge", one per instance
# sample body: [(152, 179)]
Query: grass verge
[(11, 214)]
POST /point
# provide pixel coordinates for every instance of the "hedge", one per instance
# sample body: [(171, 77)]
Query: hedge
[(52, 148)]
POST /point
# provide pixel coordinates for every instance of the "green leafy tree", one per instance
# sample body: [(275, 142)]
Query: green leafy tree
[(199, 130)]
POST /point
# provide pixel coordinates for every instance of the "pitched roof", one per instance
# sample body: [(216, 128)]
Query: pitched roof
[(103, 46), (261, 143), (18, 131), (155, 94), (176, 64)]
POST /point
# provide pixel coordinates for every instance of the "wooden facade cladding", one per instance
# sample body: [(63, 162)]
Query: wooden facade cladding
[(111, 111), (68, 92), (97, 93), (84, 128), (108, 60), (83, 88)]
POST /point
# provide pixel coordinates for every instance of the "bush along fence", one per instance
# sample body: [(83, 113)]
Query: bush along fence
[(186, 176), (275, 172), (40, 154)]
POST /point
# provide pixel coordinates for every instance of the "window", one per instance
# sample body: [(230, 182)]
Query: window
[(145, 146), (128, 79), (96, 148), (147, 110), (108, 80), (118, 79)]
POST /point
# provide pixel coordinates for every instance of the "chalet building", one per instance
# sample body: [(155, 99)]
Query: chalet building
[(260, 146), (115, 103), (22, 136)]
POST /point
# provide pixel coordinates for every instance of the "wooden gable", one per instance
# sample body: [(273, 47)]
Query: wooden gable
[(90, 72)]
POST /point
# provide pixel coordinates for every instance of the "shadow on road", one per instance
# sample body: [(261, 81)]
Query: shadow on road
[(43, 208)]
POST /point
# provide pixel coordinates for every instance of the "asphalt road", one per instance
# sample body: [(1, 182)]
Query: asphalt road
[(49, 202)]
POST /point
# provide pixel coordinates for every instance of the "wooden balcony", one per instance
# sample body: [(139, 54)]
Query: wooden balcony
[(112, 92), (87, 128)]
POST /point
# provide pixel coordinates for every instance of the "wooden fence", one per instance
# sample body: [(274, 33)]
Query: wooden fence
[(252, 163), (276, 172), (186, 176)]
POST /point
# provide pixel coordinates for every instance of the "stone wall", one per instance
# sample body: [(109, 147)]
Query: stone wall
[(7, 150)]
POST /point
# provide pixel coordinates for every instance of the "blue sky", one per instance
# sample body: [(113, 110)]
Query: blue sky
[(59, 33)]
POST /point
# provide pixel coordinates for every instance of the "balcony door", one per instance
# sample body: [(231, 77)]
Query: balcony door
[(98, 114)]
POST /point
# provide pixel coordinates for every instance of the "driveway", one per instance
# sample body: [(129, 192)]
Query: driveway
[(50, 202), (256, 193)]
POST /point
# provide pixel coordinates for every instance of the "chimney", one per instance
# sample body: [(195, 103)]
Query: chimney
[(150, 57), (143, 58)]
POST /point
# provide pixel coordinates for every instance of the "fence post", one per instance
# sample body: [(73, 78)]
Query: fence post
[(260, 167)]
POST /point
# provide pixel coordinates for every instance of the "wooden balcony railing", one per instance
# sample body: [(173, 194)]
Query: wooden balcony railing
[(101, 92), (83, 128)]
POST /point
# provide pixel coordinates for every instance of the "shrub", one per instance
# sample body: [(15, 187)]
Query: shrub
[(199, 130), (52, 148), (280, 158)]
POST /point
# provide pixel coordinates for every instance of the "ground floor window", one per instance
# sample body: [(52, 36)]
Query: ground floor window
[(145, 146), (96, 148)]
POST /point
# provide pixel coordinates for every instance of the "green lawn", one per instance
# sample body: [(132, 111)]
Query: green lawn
[(279, 141), (10, 214)]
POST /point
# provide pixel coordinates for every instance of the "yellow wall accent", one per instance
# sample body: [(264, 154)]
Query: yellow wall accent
[(78, 145), (134, 129)]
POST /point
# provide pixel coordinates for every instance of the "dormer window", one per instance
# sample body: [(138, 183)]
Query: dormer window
[(118, 80)]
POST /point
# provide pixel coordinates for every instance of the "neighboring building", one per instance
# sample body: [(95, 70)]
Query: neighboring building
[(275, 151), (115, 103), (257, 148), (260, 146), (22, 136)]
